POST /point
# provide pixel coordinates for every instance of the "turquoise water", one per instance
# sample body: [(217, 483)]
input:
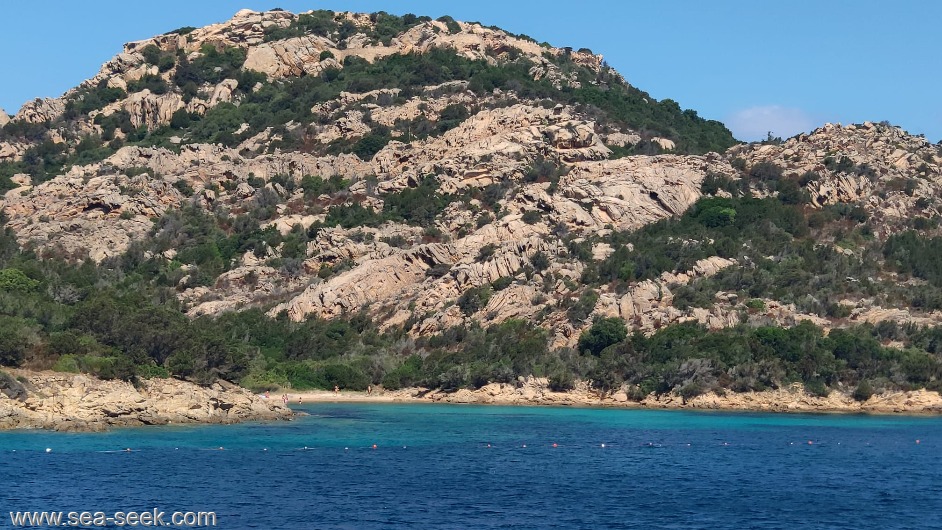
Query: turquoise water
[(441, 466)]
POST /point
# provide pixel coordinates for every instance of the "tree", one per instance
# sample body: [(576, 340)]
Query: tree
[(540, 261), (16, 280), (864, 391), (603, 333), (15, 340), (474, 299)]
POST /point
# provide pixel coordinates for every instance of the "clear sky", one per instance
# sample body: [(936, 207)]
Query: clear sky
[(756, 65)]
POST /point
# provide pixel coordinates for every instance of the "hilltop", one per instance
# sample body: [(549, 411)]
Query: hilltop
[(336, 198)]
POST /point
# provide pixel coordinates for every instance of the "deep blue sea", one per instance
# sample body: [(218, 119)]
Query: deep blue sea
[(451, 466)]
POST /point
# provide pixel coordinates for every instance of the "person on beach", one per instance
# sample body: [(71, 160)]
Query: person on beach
[(267, 395), (369, 390), (336, 389)]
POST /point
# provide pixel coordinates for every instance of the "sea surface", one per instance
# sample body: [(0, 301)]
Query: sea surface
[(453, 466)]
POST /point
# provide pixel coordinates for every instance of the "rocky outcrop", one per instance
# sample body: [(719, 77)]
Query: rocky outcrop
[(892, 174), (628, 193), (377, 280), (4, 118), (151, 110), (75, 402), (292, 57), (302, 55), (12, 151), (795, 399), (41, 110), (647, 306), (77, 215), (537, 391)]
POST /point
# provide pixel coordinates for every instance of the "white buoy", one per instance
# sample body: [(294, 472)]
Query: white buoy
[(48, 450), (603, 446)]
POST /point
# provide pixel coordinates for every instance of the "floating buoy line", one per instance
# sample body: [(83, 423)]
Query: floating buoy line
[(491, 445)]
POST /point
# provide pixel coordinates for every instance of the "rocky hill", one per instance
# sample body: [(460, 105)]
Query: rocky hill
[(430, 201)]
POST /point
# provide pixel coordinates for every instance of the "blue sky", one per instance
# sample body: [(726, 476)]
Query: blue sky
[(757, 66)]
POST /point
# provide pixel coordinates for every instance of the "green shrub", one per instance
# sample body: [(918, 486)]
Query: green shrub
[(604, 332), (864, 391), (532, 216), (367, 147), (691, 390), (453, 27), (474, 299), (344, 376), (540, 261), (816, 387), (756, 304), (766, 172), (15, 280), (502, 283), (67, 363), (89, 99), (562, 381), (418, 206), (319, 22), (408, 374), (583, 307)]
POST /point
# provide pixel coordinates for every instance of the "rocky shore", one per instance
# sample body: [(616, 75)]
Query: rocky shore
[(536, 391), (78, 402)]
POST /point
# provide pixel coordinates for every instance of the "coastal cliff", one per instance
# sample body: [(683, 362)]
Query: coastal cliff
[(76, 402)]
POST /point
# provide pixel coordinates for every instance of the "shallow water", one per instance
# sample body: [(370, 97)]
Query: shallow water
[(448, 466)]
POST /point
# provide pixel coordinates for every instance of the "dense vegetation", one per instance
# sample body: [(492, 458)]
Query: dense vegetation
[(121, 319), (787, 251), (290, 100)]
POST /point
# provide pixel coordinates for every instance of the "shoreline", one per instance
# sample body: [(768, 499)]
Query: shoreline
[(787, 400), (71, 402), (45, 400)]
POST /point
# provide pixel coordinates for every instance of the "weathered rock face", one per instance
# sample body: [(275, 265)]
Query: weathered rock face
[(302, 55), (73, 402), (12, 151), (79, 215), (631, 192), (41, 110), (4, 118), (150, 110)]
